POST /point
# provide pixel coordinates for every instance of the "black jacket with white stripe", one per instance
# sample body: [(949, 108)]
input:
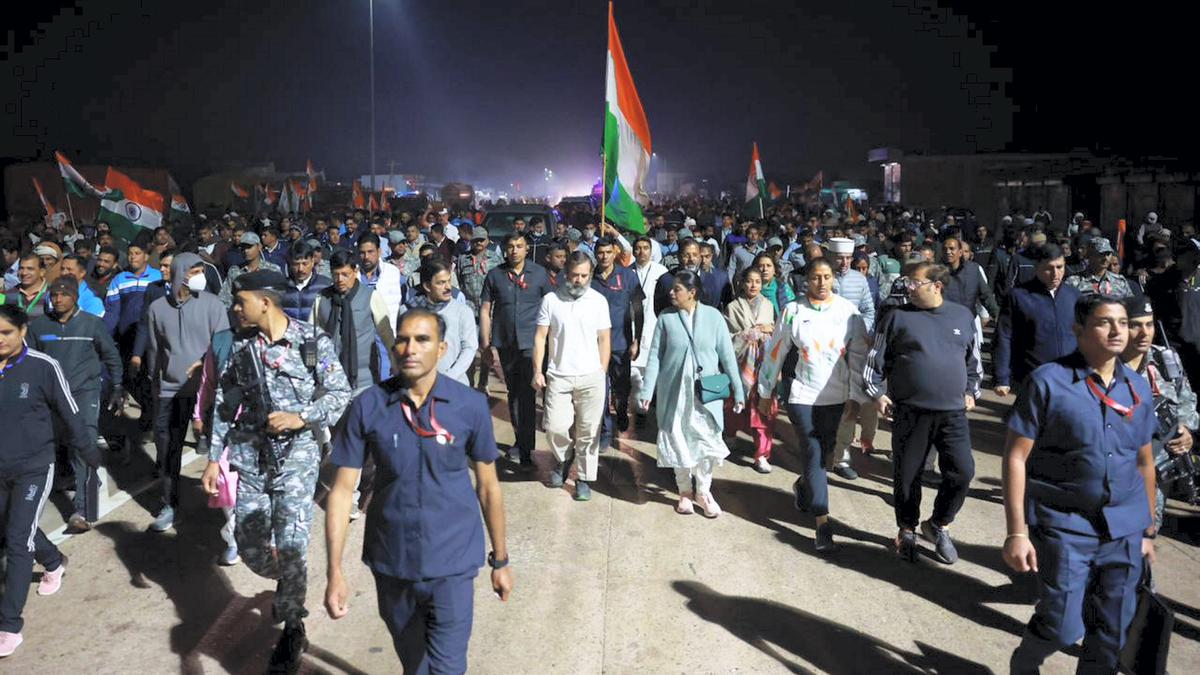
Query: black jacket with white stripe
[(34, 394)]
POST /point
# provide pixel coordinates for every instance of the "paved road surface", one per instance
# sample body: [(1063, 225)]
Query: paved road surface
[(617, 585)]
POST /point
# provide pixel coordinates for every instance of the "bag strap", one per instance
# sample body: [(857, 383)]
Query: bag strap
[(691, 342)]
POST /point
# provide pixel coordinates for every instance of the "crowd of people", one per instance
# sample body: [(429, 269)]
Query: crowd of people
[(368, 341)]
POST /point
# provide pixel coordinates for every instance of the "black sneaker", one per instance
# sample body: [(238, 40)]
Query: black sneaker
[(943, 546), (799, 499), (906, 545), (844, 470), (824, 537), (285, 660)]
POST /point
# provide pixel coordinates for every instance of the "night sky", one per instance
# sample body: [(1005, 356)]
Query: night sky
[(493, 92)]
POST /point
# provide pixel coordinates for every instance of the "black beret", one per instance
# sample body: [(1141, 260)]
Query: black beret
[(1138, 306), (262, 280)]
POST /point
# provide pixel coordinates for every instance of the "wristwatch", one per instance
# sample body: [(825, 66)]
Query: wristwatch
[(496, 564)]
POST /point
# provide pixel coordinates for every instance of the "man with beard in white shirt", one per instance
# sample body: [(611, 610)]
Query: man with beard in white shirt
[(575, 318)]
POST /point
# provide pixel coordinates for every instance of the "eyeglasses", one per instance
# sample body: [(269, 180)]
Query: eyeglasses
[(913, 284)]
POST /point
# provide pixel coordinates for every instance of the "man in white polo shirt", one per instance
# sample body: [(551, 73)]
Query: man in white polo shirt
[(575, 318)]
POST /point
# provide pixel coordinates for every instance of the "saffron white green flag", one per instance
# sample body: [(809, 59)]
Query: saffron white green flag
[(128, 208), (756, 187), (626, 141), (77, 185)]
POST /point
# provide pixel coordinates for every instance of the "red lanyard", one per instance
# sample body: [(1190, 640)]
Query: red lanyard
[(518, 281), (620, 284), (262, 350), (1118, 408), (438, 431), (1153, 380)]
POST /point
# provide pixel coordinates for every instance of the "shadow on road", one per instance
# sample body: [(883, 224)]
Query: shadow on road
[(779, 631), (215, 621)]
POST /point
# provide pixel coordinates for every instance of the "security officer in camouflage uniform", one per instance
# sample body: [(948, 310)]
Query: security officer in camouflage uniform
[(1097, 278), (1174, 400), (282, 382)]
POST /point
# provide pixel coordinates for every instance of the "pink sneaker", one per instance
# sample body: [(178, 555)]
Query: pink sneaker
[(52, 581), (709, 505), (9, 643), (684, 507)]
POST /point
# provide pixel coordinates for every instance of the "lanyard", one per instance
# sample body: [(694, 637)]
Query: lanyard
[(438, 431), (1118, 408), (1153, 380), (262, 351), (620, 285), (518, 281), (32, 303), (13, 363)]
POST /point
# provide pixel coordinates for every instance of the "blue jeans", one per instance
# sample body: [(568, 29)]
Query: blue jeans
[(816, 430)]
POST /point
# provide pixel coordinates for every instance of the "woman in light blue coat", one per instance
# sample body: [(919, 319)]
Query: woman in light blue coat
[(690, 433)]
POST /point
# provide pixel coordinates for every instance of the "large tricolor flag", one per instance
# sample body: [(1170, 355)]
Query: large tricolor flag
[(77, 185), (128, 208), (50, 210), (756, 187), (626, 140)]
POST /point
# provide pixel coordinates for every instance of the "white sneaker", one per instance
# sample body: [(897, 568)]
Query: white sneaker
[(708, 505), (761, 465)]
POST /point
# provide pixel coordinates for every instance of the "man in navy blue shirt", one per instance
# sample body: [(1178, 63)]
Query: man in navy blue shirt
[(1036, 324), (1079, 492), (423, 539), (619, 286), (509, 305)]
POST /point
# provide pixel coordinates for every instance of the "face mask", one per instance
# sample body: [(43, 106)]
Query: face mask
[(197, 283)]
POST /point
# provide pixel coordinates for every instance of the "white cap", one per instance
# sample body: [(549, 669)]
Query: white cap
[(840, 245), (689, 223), (1152, 217)]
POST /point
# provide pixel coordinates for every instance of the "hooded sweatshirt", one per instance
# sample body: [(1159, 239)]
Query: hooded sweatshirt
[(180, 332)]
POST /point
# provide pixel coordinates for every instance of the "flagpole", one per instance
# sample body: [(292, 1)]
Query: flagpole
[(603, 186), (71, 210)]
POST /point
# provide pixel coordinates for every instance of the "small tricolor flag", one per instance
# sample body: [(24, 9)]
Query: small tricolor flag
[(357, 199), (756, 187), (238, 191), (77, 185), (50, 210), (178, 203)]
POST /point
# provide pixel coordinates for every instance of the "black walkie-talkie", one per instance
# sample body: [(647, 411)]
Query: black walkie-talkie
[(308, 350)]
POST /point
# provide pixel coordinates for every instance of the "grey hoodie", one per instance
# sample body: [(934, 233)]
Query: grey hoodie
[(181, 332)]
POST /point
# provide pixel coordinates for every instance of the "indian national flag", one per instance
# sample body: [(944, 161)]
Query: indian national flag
[(178, 203), (756, 187), (357, 199), (238, 191), (50, 210), (128, 208), (77, 185), (626, 141)]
